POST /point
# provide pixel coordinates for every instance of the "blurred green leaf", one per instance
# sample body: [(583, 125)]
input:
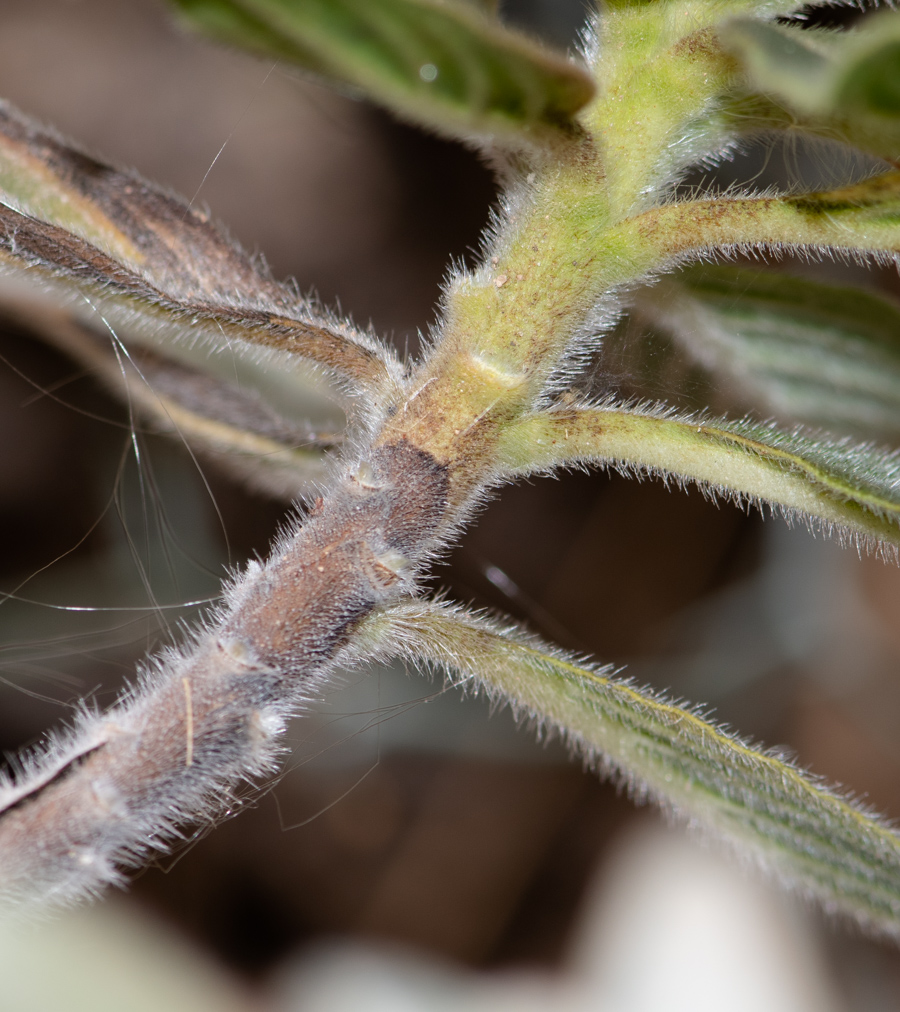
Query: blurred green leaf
[(848, 82), (784, 60), (814, 353), (757, 800), (843, 486), (224, 421), (445, 65)]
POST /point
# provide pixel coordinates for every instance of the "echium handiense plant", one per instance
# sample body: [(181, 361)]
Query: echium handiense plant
[(589, 153)]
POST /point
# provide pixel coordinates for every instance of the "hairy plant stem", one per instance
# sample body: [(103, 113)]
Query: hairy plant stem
[(586, 217), (207, 716)]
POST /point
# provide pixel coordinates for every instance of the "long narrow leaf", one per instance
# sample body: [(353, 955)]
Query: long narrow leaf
[(148, 231), (144, 261), (446, 65), (758, 801), (857, 221), (851, 488), (813, 353)]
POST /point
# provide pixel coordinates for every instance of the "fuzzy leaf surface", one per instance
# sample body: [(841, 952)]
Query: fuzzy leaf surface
[(758, 801), (814, 353), (145, 263), (858, 221), (445, 65), (851, 488), (849, 81)]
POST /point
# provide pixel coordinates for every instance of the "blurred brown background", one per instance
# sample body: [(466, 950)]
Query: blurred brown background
[(406, 813)]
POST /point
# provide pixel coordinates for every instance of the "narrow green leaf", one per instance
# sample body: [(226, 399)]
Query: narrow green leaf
[(848, 82), (758, 801), (858, 220), (100, 288), (711, 12), (851, 488), (809, 352), (443, 64)]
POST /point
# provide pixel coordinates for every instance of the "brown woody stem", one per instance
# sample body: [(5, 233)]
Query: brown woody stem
[(206, 719)]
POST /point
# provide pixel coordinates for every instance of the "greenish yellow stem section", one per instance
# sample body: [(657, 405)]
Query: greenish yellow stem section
[(508, 324), (714, 456), (567, 248), (660, 75), (566, 251)]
